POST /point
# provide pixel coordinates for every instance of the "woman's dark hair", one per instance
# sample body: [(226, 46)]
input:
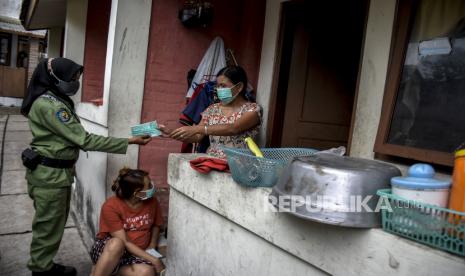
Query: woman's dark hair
[(128, 182), (237, 74)]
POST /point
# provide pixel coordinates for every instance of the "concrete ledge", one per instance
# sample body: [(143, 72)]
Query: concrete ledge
[(335, 250), (218, 246)]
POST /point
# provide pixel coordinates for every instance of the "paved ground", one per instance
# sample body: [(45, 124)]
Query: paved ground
[(16, 209)]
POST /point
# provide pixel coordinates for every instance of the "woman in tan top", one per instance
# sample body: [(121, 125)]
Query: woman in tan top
[(227, 123)]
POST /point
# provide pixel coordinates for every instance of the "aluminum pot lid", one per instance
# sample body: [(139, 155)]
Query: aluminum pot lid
[(420, 176), (348, 163)]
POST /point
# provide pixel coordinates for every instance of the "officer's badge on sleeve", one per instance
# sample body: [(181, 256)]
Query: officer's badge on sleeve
[(63, 115)]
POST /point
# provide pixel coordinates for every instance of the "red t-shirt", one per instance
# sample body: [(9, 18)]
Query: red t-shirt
[(116, 215)]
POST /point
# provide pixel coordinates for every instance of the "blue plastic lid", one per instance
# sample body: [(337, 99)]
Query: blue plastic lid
[(420, 176)]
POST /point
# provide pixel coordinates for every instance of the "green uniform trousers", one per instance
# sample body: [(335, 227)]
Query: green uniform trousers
[(51, 212)]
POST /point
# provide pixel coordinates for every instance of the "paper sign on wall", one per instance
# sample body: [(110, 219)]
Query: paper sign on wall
[(437, 46)]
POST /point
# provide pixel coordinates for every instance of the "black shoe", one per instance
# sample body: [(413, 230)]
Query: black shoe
[(57, 270)]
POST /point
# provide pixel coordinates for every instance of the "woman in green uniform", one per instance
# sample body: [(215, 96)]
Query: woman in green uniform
[(58, 136)]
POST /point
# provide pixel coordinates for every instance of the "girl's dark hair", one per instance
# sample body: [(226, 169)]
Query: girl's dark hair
[(237, 74), (128, 182)]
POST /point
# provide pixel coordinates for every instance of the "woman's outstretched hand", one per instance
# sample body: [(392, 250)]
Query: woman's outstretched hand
[(140, 140), (166, 132), (184, 133)]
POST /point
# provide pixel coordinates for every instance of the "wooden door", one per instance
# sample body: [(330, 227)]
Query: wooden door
[(324, 46), (12, 82)]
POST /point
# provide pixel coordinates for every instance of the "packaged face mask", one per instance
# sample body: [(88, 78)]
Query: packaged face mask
[(150, 128), (225, 94)]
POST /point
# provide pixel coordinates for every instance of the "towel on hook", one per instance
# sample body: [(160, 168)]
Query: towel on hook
[(212, 62)]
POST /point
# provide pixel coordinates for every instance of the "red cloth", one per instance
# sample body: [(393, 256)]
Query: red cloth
[(206, 164)]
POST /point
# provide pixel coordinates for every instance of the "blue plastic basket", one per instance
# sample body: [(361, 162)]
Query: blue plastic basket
[(428, 224), (251, 171)]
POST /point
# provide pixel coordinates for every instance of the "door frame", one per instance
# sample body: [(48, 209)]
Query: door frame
[(280, 74)]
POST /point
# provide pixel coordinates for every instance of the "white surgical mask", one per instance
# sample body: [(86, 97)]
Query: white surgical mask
[(225, 94)]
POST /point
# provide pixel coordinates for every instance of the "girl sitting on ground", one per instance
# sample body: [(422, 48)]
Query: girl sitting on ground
[(129, 224)]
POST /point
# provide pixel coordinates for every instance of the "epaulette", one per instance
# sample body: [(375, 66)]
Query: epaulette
[(50, 97)]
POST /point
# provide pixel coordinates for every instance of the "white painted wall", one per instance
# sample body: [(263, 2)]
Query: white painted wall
[(268, 61), (122, 101), (90, 186), (212, 245), (74, 44), (129, 59), (75, 29), (373, 77), (54, 42), (92, 112), (8, 101)]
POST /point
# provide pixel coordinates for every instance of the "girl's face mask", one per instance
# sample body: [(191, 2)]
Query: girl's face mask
[(146, 194), (225, 94)]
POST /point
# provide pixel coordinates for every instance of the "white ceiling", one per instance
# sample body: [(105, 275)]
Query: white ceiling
[(10, 8)]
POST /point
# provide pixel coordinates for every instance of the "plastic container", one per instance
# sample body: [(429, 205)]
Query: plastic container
[(420, 185), (428, 224), (457, 194), (251, 171)]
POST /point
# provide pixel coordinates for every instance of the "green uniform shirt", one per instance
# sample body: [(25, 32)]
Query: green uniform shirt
[(58, 133)]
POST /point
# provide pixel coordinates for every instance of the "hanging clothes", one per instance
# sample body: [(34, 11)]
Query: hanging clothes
[(187, 119), (203, 97), (199, 98), (212, 62)]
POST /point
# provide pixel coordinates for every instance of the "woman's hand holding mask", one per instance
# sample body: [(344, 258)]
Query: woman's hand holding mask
[(184, 133)]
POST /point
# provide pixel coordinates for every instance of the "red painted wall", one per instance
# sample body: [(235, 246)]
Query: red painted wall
[(174, 49), (98, 18)]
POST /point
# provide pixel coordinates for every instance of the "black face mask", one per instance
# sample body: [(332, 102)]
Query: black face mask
[(68, 88)]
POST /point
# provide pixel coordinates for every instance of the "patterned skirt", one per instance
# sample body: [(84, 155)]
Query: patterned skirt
[(126, 259)]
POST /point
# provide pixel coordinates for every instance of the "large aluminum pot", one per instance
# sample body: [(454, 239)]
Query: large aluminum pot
[(333, 189)]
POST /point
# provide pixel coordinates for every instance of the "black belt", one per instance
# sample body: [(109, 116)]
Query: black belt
[(56, 163)]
